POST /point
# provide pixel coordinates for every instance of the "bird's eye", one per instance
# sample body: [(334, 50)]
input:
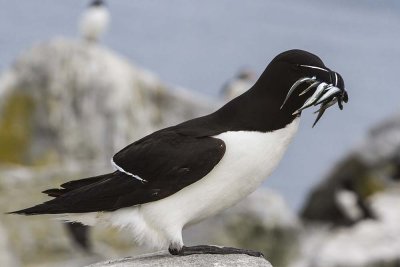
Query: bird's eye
[(296, 67)]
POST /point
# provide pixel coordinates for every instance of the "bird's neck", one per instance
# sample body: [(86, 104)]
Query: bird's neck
[(256, 110)]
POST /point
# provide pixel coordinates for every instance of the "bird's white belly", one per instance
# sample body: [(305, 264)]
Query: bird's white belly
[(249, 159)]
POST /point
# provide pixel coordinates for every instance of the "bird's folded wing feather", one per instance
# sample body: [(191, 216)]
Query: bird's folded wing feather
[(170, 158), (167, 160)]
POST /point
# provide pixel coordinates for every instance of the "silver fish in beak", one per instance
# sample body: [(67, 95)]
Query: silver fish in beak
[(325, 95), (295, 85)]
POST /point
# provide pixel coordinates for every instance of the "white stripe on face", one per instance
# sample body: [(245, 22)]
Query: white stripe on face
[(314, 67)]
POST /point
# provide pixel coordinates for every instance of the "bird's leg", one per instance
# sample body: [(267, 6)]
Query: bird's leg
[(205, 249), (173, 251), (174, 248)]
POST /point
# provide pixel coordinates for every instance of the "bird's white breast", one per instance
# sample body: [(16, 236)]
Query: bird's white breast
[(94, 23), (249, 159)]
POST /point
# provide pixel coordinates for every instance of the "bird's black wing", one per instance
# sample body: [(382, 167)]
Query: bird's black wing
[(167, 160)]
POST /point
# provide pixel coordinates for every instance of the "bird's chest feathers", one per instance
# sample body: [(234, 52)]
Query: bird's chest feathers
[(251, 157)]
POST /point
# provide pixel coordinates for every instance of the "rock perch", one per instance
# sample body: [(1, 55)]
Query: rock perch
[(163, 258)]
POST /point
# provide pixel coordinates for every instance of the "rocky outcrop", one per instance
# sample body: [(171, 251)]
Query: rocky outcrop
[(7, 257), (164, 259), (67, 102), (341, 198), (369, 243), (371, 167), (361, 199), (382, 145)]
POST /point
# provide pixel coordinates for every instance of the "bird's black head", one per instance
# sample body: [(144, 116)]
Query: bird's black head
[(97, 3), (298, 79)]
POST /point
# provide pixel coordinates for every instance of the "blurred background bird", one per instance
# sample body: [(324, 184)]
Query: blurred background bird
[(239, 84), (94, 21)]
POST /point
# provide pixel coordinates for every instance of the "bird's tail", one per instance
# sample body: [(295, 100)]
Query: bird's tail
[(53, 206)]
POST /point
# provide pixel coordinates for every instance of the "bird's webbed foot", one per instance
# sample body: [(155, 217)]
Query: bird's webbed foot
[(205, 249)]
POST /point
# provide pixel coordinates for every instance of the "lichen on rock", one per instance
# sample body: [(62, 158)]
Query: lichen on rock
[(16, 128)]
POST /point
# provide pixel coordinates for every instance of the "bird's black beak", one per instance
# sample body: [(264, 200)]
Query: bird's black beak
[(325, 95)]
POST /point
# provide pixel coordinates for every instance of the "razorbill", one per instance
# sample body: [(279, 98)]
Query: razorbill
[(182, 174), (94, 21)]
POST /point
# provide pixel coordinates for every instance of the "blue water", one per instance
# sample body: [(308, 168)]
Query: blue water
[(201, 44)]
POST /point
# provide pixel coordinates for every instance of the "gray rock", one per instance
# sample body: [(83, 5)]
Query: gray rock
[(369, 243), (7, 257), (371, 167), (350, 175), (382, 142), (360, 197), (165, 259), (74, 102)]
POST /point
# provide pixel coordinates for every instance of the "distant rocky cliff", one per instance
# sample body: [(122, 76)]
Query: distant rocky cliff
[(65, 101)]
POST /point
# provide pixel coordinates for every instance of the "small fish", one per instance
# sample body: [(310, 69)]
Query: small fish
[(320, 113), (323, 108), (295, 85), (318, 92), (310, 87), (330, 92)]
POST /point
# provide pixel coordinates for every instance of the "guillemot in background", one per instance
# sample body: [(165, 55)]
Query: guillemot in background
[(94, 21), (239, 84), (182, 174)]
